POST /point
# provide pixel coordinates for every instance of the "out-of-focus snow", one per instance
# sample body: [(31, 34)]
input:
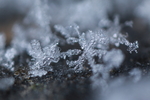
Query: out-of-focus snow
[(136, 74), (113, 58), (127, 91), (143, 11), (5, 83)]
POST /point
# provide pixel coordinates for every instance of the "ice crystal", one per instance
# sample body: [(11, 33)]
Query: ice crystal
[(69, 53), (42, 57), (96, 44), (88, 50)]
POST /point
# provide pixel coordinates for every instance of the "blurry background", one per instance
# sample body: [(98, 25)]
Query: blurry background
[(10, 12), (86, 13)]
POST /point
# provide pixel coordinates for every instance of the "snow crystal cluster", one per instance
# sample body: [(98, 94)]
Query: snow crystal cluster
[(42, 57), (91, 40)]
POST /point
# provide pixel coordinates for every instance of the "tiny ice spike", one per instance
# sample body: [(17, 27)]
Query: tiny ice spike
[(42, 57)]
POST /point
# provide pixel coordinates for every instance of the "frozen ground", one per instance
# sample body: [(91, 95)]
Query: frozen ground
[(74, 49)]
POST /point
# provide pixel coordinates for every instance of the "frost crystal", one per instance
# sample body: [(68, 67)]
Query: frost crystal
[(69, 53), (42, 57), (88, 50), (36, 50), (51, 54), (96, 44)]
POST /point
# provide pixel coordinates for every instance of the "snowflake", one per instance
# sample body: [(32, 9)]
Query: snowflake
[(42, 57)]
